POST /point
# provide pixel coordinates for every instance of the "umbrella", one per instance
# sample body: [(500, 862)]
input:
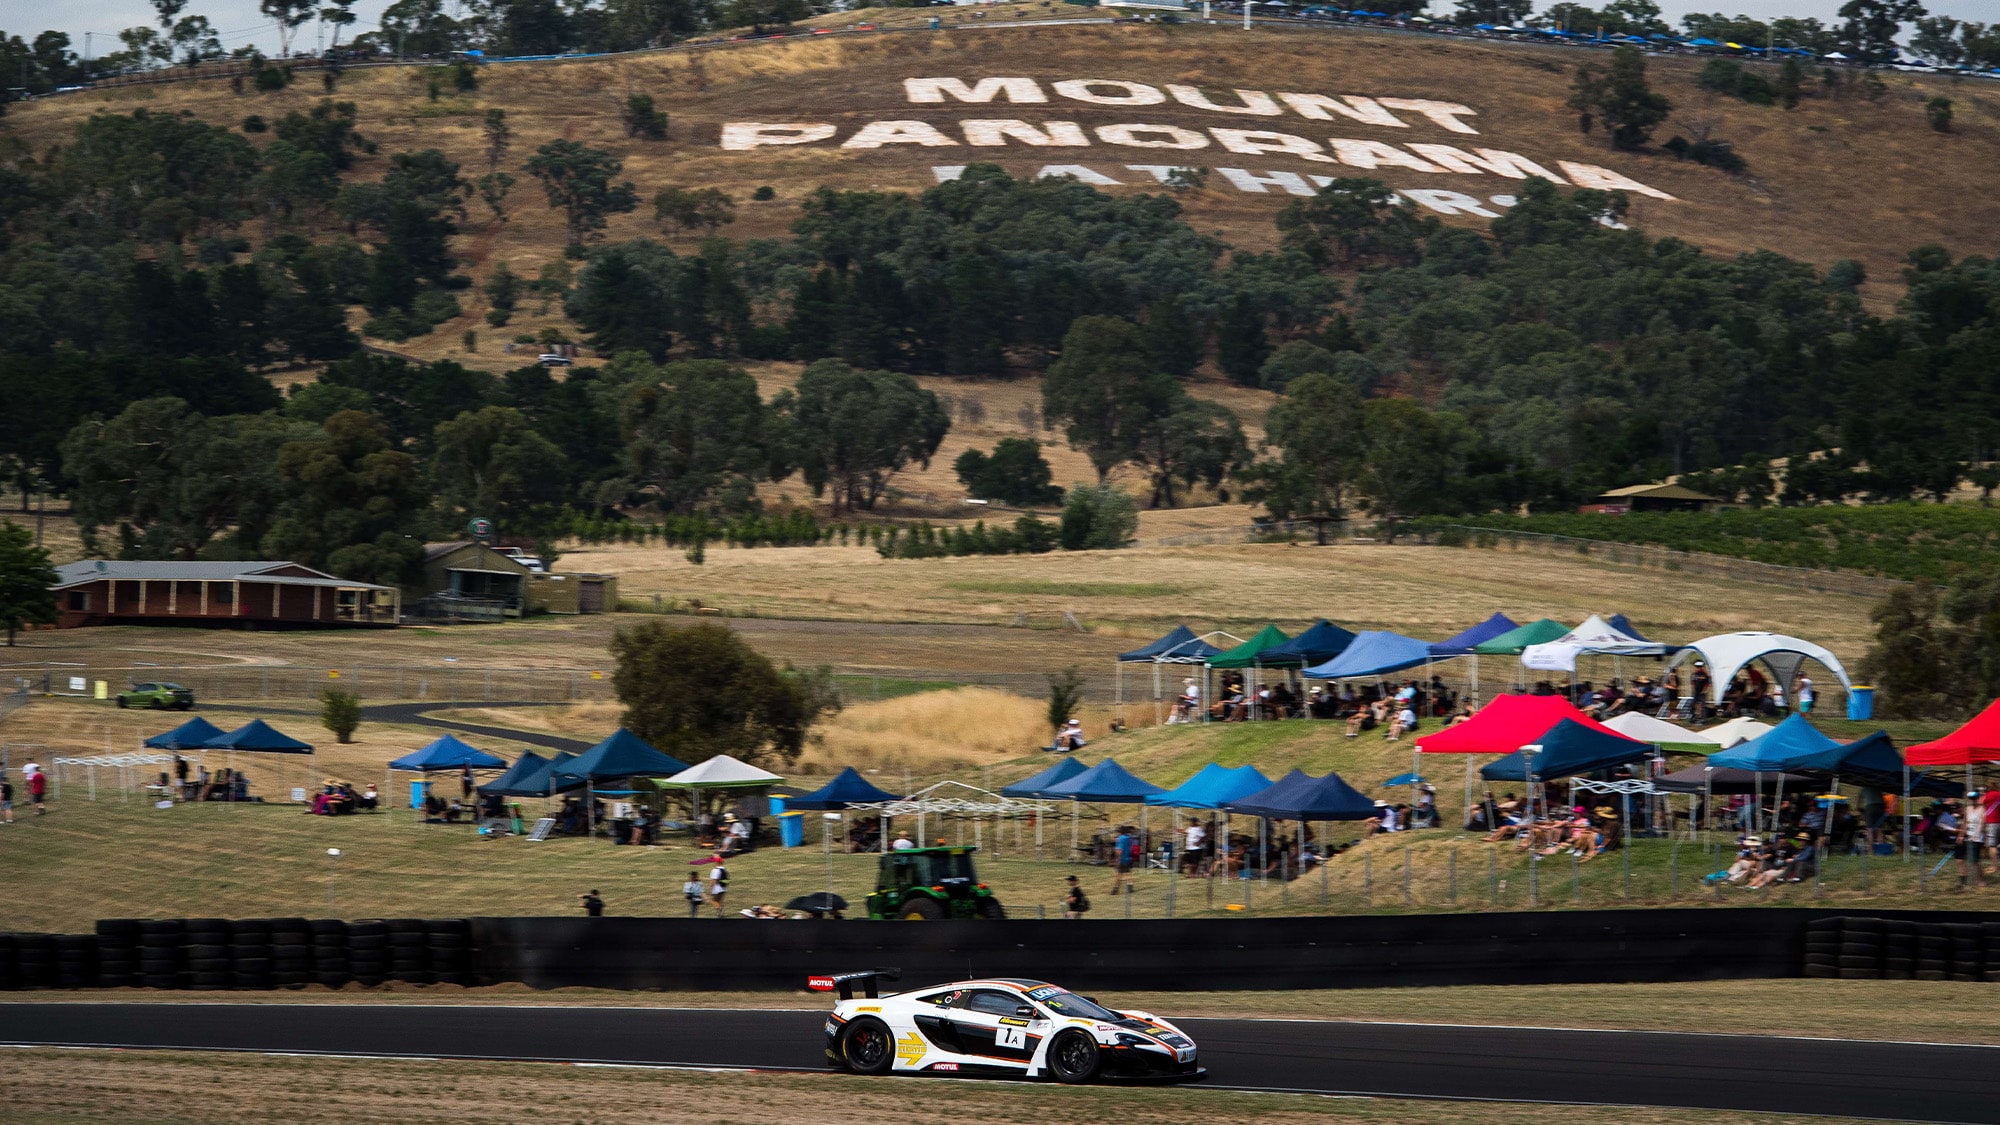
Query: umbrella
[(1405, 779), (818, 902)]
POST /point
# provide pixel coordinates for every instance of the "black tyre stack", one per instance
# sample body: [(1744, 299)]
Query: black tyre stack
[(10, 969), (206, 944), (76, 961), (1823, 947), (1968, 950), (250, 955), (118, 953), (1991, 932), (35, 960), (161, 955), (1899, 949), (409, 950), (1933, 952), (368, 952), (330, 957), (291, 952), (1861, 949), (451, 951)]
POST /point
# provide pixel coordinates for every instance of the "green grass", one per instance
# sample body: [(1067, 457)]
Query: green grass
[(1070, 589)]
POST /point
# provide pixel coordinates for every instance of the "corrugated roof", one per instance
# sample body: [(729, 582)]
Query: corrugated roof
[(128, 570), (1659, 491)]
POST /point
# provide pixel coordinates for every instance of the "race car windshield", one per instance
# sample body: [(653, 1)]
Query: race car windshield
[(1070, 1004)]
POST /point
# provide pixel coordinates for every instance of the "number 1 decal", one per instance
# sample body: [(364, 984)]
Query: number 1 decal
[(1012, 1037)]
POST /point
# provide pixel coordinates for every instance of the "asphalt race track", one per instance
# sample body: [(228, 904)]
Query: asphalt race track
[(1910, 1081)]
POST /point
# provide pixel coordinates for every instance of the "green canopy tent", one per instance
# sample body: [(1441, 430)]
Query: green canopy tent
[(1244, 658), (1516, 641)]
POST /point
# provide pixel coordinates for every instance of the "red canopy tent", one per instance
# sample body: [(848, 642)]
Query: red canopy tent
[(1505, 725), (1976, 742), (1508, 723)]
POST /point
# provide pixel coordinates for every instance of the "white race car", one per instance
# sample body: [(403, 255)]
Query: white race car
[(998, 1027)]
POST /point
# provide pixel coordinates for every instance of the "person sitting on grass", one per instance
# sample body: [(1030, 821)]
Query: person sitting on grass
[(1406, 721)]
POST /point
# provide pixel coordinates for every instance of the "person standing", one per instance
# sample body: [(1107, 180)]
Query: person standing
[(691, 890), (38, 785), (180, 776), (593, 905), (1123, 851), (718, 884), (465, 783), (1191, 853), (6, 799), (1802, 690), (1075, 902)]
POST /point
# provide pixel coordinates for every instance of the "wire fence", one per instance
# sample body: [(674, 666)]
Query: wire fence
[(1664, 558), (222, 683)]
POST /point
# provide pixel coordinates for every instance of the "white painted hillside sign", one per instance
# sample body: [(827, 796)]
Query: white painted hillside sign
[(1370, 136)]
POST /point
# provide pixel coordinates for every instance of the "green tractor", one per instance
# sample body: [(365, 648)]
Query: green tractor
[(929, 884)]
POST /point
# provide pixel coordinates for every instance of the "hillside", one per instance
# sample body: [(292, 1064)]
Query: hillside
[(1835, 178)]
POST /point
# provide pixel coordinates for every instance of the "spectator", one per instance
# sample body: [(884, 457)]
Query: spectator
[(370, 799), (1069, 737), (718, 884), (1196, 837), (6, 799), (1188, 706), (1124, 853), (1075, 903), (592, 904), (1802, 690), (465, 784), (181, 776), (1406, 721), (902, 842), (691, 890), (38, 785)]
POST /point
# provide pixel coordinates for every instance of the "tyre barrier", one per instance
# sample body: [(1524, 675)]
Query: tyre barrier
[(1866, 947), (245, 954), (1604, 946)]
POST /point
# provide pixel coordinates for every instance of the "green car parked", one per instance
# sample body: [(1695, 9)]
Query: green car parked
[(930, 884), (159, 697)]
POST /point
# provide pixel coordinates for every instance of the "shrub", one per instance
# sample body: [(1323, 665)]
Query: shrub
[(1098, 517), (764, 194), (273, 78), (254, 124), (644, 121), (1938, 110), (340, 712)]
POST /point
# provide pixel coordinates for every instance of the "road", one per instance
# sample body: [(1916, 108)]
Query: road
[(418, 714), (1907, 1081)]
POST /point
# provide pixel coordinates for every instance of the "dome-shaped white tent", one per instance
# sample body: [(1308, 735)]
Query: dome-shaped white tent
[(1727, 653)]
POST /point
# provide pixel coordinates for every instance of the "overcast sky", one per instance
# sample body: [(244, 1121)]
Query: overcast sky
[(241, 23)]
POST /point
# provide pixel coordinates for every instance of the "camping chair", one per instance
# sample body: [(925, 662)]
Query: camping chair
[(1162, 857), (1681, 709)]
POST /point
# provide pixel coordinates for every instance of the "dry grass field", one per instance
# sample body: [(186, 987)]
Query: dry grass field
[(67, 1087), (1846, 177)]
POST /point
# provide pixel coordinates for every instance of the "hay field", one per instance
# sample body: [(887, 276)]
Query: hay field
[(1834, 178), (1424, 591)]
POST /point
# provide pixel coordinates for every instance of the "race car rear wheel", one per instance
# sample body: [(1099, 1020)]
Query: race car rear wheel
[(921, 910), (867, 1047), (1074, 1057)]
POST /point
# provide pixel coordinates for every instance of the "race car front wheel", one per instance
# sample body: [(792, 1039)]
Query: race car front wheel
[(1074, 1057), (867, 1046)]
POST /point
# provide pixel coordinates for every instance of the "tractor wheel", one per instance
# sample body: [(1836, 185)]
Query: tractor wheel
[(920, 910), (1074, 1058), (991, 910), (866, 1047)]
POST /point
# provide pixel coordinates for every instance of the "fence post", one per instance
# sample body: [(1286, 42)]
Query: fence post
[(1493, 876), (1406, 874), (1368, 879), (1451, 881)]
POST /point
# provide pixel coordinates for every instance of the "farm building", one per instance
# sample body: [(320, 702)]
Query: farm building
[(476, 582), (1651, 498), (242, 594)]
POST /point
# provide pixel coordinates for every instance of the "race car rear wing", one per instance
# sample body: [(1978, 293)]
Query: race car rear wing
[(844, 982)]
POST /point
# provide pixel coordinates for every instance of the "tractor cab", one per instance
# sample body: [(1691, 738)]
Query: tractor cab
[(930, 884)]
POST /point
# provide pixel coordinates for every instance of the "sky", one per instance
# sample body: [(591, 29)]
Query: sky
[(241, 23)]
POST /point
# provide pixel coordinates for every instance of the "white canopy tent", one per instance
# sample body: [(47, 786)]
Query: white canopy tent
[(956, 798), (720, 772), (1646, 728), (1595, 635), (1727, 653), (1736, 731)]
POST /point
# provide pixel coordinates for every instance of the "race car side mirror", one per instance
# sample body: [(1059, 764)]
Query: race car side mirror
[(1023, 1012)]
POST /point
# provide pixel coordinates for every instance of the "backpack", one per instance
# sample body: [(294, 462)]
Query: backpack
[(721, 875)]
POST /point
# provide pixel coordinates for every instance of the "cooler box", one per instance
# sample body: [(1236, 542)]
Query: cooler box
[(792, 829), (418, 791), (1860, 703)]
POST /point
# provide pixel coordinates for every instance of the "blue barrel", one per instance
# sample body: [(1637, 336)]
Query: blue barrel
[(792, 829), (1860, 703)]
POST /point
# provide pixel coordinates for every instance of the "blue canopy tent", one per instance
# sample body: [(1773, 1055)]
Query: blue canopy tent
[(1212, 787), (1316, 645), (1181, 646), (1373, 653), (525, 766), (447, 753), (1567, 749), (620, 756), (1301, 796), (847, 788), (256, 737), (540, 781), (1797, 746), (1106, 783), (1463, 645), (195, 734), (1038, 785)]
